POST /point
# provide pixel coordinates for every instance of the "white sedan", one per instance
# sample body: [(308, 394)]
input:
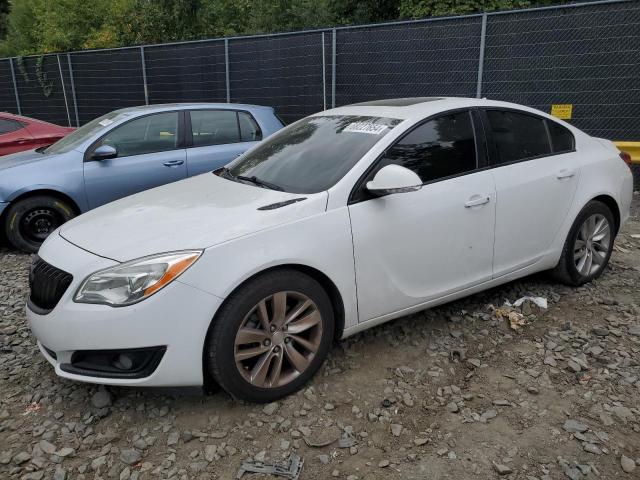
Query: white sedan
[(337, 223)]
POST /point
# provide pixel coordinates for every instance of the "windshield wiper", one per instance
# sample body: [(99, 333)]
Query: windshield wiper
[(252, 179), (261, 183)]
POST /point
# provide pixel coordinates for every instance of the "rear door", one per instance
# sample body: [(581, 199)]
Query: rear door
[(14, 137), (150, 153), (216, 137), (535, 169)]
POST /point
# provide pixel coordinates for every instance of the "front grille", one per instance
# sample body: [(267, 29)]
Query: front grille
[(47, 284)]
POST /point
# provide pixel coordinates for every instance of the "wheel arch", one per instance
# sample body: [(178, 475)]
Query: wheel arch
[(327, 284), (36, 192), (612, 204)]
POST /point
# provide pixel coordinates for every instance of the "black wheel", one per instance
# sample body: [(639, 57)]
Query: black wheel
[(28, 222), (588, 247), (270, 336)]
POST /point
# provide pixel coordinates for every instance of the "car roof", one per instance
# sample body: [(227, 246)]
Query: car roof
[(420, 107), (162, 107)]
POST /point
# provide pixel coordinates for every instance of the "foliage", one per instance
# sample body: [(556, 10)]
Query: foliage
[(41, 26)]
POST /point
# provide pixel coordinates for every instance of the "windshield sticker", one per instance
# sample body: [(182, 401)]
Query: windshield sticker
[(366, 127), (106, 122)]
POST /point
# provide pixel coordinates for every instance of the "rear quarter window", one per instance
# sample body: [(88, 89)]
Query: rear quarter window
[(562, 140)]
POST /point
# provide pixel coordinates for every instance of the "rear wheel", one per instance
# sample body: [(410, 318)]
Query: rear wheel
[(271, 336), (588, 246), (30, 221)]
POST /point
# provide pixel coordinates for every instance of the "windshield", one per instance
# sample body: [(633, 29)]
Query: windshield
[(78, 136), (312, 154)]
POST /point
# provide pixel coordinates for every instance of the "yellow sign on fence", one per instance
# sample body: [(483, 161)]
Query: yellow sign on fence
[(562, 110)]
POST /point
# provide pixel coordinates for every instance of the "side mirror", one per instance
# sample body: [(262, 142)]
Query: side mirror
[(104, 152), (394, 179)]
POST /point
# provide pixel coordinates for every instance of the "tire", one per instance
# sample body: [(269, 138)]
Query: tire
[(28, 222), (227, 346), (567, 271)]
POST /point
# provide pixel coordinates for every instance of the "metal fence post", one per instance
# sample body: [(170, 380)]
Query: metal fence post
[(324, 76), (144, 76), (15, 86), (333, 70), (226, 69), (64, 91), (73, 90), (483, 35)]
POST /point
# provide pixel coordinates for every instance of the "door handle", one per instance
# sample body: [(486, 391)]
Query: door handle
[(173, 163), (565, 173), (476, 201)]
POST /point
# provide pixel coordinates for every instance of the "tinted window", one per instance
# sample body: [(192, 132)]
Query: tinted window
[(8, 126), (439, 148), (517, 136), (153, 133), (249, 129), (312, 154), (214, 127), (561, 138)]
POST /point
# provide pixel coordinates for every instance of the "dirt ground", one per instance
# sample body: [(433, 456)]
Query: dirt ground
[(450, 393)]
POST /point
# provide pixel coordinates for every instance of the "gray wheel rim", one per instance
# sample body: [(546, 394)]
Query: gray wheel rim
[(278, 339), (592, 245)]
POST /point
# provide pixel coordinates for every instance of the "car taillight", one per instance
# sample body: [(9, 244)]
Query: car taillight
[(626, 158)]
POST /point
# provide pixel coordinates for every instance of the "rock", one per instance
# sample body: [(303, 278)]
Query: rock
[(502, 403), (600, 331), (627, 464), (21, 458), (130, 456), (551, 361), (573, 426), (634, 330), (383, 463), (47, 447), (60, 474), (270, 408), (488, 415), (421, 441), (65, 452), (452, 407), (172, 438), (329, 406), (324, 459), (101, 399), (592, 448), (474, 362), (502, 469), (396, 429), (573, 366), (573, 473), (210, 452)]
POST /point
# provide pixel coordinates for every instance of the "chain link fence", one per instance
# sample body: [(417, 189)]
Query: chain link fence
[(586, 55)]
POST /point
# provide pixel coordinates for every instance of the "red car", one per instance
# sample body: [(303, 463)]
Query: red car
[(21, 133)]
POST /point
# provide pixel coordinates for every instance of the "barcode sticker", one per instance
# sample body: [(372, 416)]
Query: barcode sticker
[(365, 127)]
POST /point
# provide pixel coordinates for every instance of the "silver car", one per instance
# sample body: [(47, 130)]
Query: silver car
[(118, 154)]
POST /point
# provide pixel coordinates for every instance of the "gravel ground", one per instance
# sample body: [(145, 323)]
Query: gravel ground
[(454, 392)]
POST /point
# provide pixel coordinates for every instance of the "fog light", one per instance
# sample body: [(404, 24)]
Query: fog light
[(123, 362)]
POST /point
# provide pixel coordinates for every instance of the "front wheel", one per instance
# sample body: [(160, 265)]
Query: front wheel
[(588, 246), (270, 337), (30, 221)]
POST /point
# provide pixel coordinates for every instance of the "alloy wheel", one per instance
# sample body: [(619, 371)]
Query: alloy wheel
[(278, 339), (592, 245)]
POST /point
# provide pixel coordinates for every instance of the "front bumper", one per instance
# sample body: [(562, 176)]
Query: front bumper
[(176, 318)]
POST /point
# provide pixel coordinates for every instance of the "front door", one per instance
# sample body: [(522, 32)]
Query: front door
[(149, 154), (414, 247)]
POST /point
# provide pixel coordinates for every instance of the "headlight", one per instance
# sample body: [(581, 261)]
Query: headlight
[(134, 281)]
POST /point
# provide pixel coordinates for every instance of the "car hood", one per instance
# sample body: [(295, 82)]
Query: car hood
[(196, 213), (22, 158)]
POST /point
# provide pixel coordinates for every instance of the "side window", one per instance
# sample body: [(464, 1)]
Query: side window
[(149, 134), (517, 136), (249, 129), (214, 127), (439, 148), (561, 138), (8, 126)]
